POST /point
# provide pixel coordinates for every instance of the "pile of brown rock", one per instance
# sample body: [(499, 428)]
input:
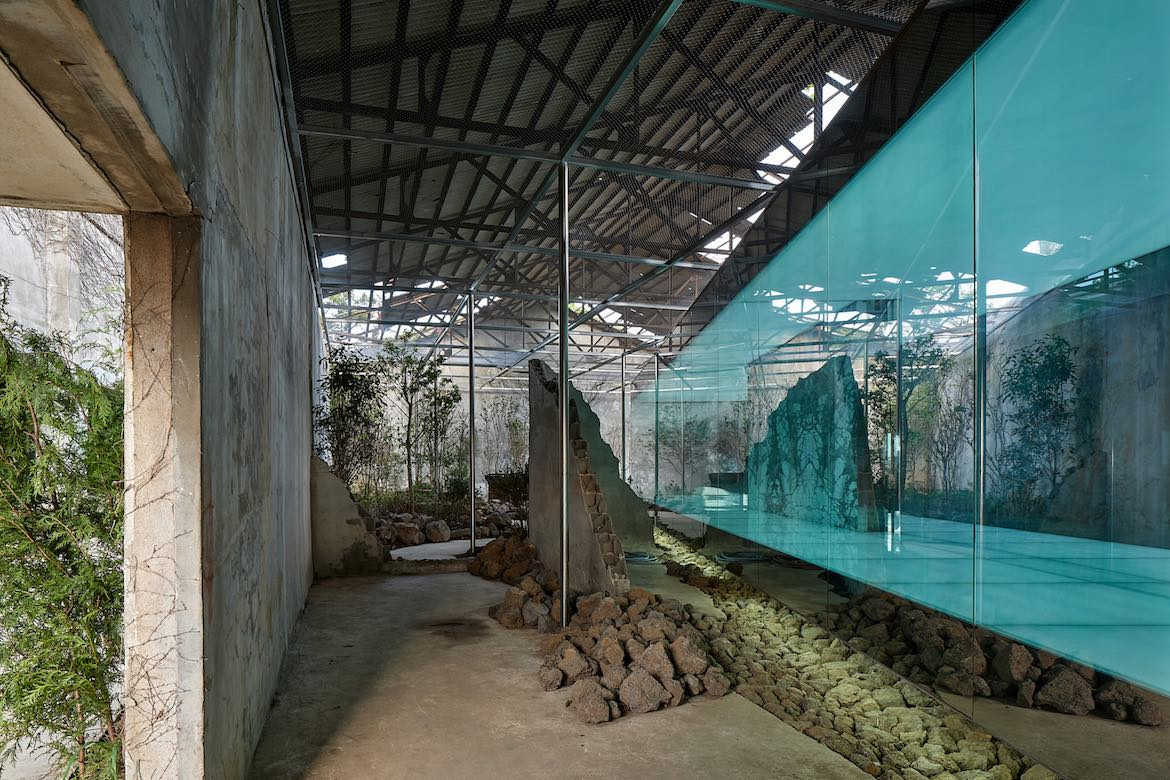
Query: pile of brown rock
[(507, 558), (931, 648), (492, 518), (629, 654), (406, 529), (536, 602)]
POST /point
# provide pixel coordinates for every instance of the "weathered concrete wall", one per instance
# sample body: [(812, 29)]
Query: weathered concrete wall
[(587, 570), (1118, 487), (631, 522), (44, 294), (343, 542), (202, 73)]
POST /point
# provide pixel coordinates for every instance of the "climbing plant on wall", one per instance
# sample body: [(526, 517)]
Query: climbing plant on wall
[(61, 516)]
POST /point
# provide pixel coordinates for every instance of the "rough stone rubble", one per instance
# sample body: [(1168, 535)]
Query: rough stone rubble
[(629, 654), (406, 529), (794, 668), (930, 648), (608, 542)]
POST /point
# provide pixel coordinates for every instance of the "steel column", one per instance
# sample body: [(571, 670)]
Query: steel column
[(435, 439), (625, 454), (563, 386), (656, 419), (471, 412)]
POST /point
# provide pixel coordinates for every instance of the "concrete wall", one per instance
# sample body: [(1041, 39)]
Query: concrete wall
[(44, 294), (343, 541), (587, 569), (631, 521), (203, 75)]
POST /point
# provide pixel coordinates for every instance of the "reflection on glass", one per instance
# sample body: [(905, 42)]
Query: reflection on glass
[(952, 384)]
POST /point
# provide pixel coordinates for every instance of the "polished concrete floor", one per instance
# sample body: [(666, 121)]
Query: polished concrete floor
[(398, 677)]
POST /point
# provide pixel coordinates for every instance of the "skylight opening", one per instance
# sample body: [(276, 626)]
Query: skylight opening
[(997, 287), (720, 248), (481, 303), (334, 261), (834, 95)]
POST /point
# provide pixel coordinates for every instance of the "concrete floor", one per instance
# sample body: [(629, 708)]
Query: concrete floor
[(437, 551), (407, 677)]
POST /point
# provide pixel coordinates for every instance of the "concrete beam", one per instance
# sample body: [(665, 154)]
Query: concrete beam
[(59, 56)]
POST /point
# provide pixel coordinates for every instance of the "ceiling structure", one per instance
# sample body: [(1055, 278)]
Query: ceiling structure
[(429, 135)]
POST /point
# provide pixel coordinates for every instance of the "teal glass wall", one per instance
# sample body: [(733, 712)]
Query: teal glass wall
[(952, 384)]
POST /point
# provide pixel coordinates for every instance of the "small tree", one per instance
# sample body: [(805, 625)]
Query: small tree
[(438, 404), (683, 437), (505, 434), (409, 376), (952, 431), (733, 435), (60, 552), (352, 416), (891, 401), (1039, 389)]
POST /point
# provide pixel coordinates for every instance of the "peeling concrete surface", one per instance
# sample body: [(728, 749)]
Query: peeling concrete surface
[(407, 677), (587, 570)]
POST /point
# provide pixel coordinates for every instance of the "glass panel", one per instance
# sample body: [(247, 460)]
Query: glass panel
[(951, 387), (1073, 201)]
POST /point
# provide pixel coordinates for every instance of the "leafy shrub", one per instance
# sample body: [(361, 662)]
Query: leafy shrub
[(511, 486)]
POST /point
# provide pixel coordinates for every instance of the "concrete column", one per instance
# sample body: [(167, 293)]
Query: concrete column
[(164, 639)]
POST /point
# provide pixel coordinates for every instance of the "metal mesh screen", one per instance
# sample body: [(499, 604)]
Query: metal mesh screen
[(430, 131)]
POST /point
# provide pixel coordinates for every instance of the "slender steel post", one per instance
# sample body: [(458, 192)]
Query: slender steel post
[(563, 386), (471, 411), (625, 454), (435, 439), (656, 432), (899, 414)]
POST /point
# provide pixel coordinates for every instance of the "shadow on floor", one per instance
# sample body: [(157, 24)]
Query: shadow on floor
[(401, 677)]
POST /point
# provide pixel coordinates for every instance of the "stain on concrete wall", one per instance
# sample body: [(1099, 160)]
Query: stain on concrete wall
[(204, 77)]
